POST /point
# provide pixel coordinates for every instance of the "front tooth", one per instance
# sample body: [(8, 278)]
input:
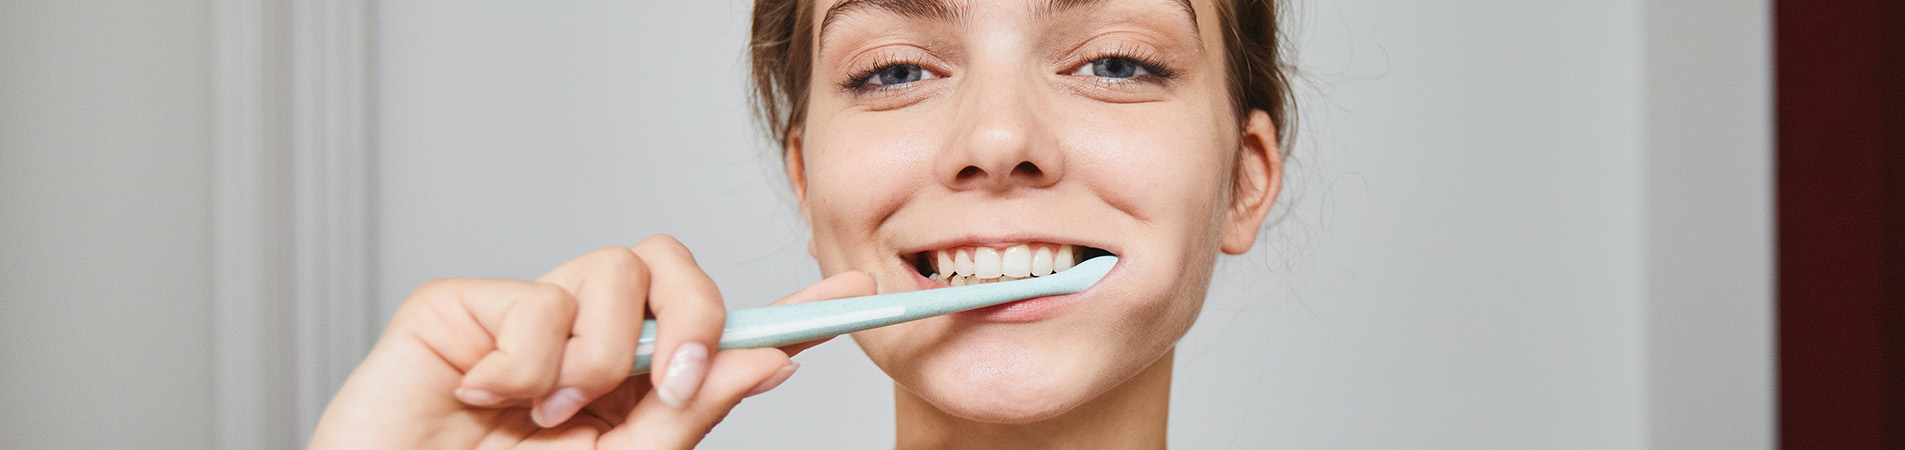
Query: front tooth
[(1042, 262), (962, 263), (959, 280), (985, 263), (1063, 259), (1017, 261), (942, 262)]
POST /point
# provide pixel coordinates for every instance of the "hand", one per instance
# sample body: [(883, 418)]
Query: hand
[(470, 363)]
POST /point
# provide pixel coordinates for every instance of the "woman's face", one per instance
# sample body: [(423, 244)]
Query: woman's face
[(972, 127)]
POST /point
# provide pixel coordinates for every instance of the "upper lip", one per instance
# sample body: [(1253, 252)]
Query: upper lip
[(1004, 240)]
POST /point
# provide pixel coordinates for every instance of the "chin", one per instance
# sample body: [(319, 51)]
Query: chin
[(1006, 383)]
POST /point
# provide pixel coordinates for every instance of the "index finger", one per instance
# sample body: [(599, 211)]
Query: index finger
[(688, 316), (610, 286)]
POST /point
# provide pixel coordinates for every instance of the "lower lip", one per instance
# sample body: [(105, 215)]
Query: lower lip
[(1022, 311)]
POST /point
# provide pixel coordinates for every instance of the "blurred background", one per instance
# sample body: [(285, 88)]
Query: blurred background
[(1509, 224)]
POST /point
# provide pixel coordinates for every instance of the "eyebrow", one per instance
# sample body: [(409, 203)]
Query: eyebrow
[(1053, 7), (941, 10), (938, 10)]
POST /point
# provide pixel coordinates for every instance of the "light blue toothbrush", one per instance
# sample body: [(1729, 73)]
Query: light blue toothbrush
[(775, 326)]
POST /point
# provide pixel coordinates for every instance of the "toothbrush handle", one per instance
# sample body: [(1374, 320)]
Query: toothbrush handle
[(780, 325), (775, 326)]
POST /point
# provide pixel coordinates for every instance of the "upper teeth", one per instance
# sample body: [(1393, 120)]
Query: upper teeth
[(979, 265)]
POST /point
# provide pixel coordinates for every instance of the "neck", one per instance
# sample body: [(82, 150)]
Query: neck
[(1133, 415)]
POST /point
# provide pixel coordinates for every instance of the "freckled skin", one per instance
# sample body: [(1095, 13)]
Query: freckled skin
[(1004, 138)]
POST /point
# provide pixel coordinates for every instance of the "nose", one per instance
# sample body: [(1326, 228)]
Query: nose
[(1001, 144)]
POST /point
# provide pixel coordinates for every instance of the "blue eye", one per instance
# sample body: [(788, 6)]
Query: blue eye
[(1116, 67), (897, 74)]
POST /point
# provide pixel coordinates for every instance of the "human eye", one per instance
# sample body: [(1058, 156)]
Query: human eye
[(1115, 67), (1123, 68), (889, 76)]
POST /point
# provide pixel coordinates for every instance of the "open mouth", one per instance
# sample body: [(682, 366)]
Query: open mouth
[(962, 266)]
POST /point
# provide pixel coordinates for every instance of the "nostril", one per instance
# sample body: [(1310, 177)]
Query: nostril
[(1026, 169), (971, 172)]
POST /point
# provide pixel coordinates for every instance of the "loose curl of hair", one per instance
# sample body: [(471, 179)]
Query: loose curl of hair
[(780, 50)]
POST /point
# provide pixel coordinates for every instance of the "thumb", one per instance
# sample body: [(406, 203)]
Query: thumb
[(842, 285)]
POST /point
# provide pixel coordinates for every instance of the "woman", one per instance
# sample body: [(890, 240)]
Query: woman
[(918, 135)]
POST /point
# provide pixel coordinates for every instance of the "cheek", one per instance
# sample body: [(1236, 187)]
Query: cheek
[(859, 172), (1164, 163), (1167, 164)]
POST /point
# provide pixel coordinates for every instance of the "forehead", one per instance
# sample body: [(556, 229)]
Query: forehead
[(957, 10)]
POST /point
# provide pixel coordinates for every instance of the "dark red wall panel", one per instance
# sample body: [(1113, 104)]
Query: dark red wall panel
[(1840, 198)]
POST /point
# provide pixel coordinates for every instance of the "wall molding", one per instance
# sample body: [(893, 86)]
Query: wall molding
[(293, 282)]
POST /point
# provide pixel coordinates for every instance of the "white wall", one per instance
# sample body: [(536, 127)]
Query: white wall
[(1465, 265), (1496, 239), (105, 216)]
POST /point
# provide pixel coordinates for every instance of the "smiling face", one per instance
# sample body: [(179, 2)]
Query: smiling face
[(977, 127)]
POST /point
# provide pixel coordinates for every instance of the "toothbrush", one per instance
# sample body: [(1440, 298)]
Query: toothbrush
[(775, 326)]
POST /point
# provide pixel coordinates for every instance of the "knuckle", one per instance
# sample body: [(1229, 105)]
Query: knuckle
[(556, 297), (436, 288), (616, 257), (429, 293), (666, 244), (660, 239)]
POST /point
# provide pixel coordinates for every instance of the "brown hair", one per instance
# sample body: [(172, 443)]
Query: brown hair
[(780, 50)]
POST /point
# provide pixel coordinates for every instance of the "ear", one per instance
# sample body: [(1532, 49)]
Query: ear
[(796, 166), (1258, 179), (794, 161)]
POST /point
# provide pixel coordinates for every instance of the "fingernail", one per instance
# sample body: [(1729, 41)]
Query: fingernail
[(685, 370), (774, 381), (478, 397), (558, 407)]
